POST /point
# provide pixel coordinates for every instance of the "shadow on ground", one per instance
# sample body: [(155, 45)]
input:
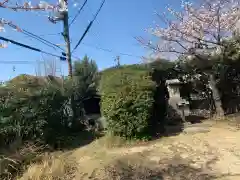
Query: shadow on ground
[(195, 119), (173, 169), (176, 168), (76, 140), (172, 125)]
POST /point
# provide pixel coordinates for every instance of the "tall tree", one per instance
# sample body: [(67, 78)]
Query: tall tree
[(85, 80), (86, 75), (197, 31)]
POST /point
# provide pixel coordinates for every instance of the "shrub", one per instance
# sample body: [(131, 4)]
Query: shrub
[(31, 114), (127, 98)]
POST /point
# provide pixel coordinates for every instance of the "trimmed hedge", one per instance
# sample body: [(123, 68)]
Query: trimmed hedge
[(127, 101)]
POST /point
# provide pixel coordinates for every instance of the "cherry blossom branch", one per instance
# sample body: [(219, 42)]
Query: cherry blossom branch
[(2, 3), (4, 22), (182, 33), (156, 48), (42, 6), (204, 25)]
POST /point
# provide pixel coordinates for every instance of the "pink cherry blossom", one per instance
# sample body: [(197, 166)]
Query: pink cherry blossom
[(27, 6), (57, 9), (205, 25), (4, 22), (3, 45)]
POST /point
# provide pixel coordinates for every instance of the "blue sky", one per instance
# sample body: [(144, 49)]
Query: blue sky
[(115, 28)]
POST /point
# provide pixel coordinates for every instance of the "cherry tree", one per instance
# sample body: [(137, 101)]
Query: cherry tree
[(196, 26), (197, 32)]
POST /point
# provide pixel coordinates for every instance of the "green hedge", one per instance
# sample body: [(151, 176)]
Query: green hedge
[(127, 98), (32, 114)]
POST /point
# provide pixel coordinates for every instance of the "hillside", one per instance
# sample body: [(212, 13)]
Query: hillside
[(195, 156), (37, 80)]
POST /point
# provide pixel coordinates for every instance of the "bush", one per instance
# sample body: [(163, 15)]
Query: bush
[(30, 113), (127, 101)]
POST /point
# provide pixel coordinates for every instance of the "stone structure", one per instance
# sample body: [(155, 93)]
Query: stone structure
[(180, 105)]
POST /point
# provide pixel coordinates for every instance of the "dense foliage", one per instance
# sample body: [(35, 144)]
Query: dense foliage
[(86, 77), (127, 99), (29, 113), (224, 67), (84, 84), (39, 108)]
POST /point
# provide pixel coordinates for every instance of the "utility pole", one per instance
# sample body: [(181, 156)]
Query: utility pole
[(117, 60), (67, 41), (66, 35), (64, 17), (60, 13)]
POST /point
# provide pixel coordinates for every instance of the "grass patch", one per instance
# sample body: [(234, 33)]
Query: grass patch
[(110, 141), (14, 160), (51, 168)]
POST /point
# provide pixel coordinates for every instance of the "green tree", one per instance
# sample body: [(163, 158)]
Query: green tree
[(30, 113), (221, 69), (85, 80)]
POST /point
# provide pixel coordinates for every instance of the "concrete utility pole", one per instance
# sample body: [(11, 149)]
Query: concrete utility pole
[(64, 17), (117, 60), (67, 41)]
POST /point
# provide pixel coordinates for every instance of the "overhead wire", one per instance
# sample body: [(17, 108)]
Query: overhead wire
[(18, 62), (111, 51), (51, 34), (78, 13), (95, 33), (88, 27), (50, 44), (37, 37), (28, 47), (44, 41)]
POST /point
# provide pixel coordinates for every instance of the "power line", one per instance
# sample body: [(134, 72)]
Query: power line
[(19, 62), (111, 51), (89, 26), (78, 13), (39, 38), (47, 44), (51, 34), (57, 46), (44, 41), (28, 47), (98, 10)]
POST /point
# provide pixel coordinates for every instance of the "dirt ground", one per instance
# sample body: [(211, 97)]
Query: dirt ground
[(188, 156), (194, 156)]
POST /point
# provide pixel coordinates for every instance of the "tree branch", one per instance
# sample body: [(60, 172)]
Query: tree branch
[(2, 3)]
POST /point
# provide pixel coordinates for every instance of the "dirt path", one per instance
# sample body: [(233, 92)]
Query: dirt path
[(200, 156)]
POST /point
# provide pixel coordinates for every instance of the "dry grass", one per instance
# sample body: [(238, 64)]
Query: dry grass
[(138, 167), (110, 142), (13, 160), (203, 156), (51, 168)]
